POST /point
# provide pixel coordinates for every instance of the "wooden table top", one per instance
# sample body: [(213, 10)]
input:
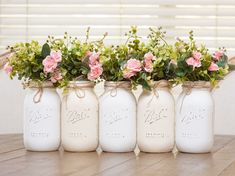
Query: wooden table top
[(15, 160)]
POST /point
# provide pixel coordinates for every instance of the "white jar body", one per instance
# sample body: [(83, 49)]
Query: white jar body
[(80, 120), (42, 120), (194, 121), (155, 121), (117, 125)]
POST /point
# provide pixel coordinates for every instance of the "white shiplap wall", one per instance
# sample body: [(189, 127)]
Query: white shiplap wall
[(212, 20)]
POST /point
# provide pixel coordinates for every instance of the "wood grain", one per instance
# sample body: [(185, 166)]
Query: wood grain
[(16, 161)]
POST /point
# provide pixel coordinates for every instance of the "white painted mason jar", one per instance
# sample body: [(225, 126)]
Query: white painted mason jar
[(155, 119), (41, 118), (79, 126), (117, 125), (194, 118)]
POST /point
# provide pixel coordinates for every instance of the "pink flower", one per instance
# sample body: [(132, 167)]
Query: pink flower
[(56, 76), (148, 67), (94, 59), (57, 56), (128, 74), (133, 65), (217, 55), (193, 62), (149, 57), (213, 67), (88, 53), (148, 64), (197, 55), (131, 68), (95, 71), (7, 68), (49, 64)]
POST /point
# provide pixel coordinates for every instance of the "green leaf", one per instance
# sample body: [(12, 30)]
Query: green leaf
[(45, 50)]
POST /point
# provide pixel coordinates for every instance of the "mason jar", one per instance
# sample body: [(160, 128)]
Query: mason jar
[(194, 118), (79, 126), (117, 125), (155, 119), (41, 118)]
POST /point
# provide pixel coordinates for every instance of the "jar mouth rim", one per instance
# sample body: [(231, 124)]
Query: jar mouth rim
[(160, 84), (197, 84), (73, 84), (118, 84), (36, 84)]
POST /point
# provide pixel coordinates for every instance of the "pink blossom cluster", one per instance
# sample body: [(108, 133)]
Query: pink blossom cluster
[(148, 62), (133, 66), (95, 66), (50, 64), (216, 56), (195, 60)]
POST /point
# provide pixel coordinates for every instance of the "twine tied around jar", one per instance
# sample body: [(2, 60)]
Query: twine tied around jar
[(78, 88), (115, 85), (189, 85), (40, 86), (162, 84)]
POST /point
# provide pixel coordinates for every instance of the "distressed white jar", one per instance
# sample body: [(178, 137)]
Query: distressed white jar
[(117, 125), (155, 119), (79, 125), (194, 118), (41, 118)]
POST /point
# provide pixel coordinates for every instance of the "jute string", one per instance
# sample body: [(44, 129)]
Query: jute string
[(40, 86), (78, 89), (115, 85), (188, 86), (158, 85)]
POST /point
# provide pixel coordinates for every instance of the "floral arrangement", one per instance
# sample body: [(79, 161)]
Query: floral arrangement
[(138, 62), (34, 62), (81, 60), (159, 60), (58, 60), (123, 62), (69, 59), (197, 64)]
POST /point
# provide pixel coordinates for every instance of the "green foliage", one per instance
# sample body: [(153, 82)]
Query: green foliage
[(46, 50), (169, 61), (185, 72), (113, 58), (163, 66), (27, 62), (73, 64)]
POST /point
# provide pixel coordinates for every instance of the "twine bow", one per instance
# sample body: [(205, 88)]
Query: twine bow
[(78, 88), (162, 84), (37, 97), (40, 86), (188, 86), (115, 85)]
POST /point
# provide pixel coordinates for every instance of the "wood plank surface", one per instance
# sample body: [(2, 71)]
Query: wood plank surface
[(16, 161)]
